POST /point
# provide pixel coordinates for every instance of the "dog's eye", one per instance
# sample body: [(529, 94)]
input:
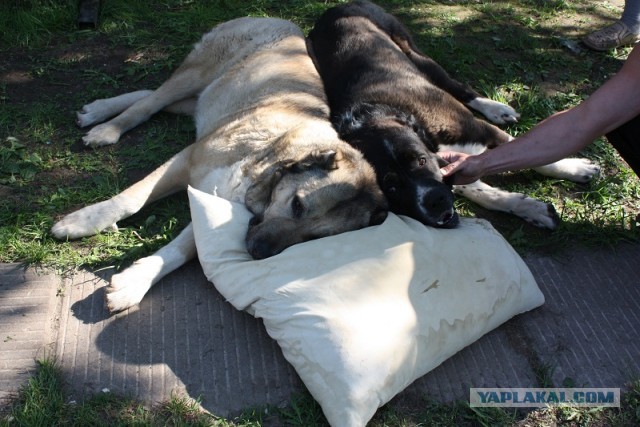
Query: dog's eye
[(297, 208), (422, 161)]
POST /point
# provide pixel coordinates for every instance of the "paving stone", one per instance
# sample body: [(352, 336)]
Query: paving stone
[(185, 339), (28, 307)]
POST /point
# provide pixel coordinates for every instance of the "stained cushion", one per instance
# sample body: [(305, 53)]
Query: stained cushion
[(361, 315)]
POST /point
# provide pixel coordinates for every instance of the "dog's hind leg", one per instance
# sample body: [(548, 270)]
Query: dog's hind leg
[(401, 36), (102, 109), (495, 111), (130, 286), (534, 211), (172, 176)]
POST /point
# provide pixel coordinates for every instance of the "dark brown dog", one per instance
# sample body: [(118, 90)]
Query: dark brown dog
[(399, 107)]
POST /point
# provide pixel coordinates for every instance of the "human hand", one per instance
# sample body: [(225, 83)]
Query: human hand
[(463, 168)]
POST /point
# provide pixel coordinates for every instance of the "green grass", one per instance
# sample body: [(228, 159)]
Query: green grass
[(49, 69), (45, 172), (43, 401)]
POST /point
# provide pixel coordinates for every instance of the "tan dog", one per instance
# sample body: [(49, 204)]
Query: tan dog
[(263, 138)]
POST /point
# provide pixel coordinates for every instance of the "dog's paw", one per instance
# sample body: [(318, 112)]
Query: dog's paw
[(102, 109), (86, 222), (104, 134), (92, 113), (537, 213), (127, 289), (495, 111), (576, 170)]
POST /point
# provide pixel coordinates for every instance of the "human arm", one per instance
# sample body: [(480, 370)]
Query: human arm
[(562, 134)]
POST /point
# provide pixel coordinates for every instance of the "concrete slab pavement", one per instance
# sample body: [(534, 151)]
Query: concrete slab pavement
[(28, 323), (185, 339)]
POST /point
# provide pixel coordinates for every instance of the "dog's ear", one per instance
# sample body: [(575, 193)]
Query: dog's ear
[(354, 119), (348, 122), (326, 159), (410, 120), (258, 194)]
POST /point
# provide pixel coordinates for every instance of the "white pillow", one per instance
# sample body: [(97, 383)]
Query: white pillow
[(363, 314)]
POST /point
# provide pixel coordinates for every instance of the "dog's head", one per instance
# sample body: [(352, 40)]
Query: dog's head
[(407, 168), (322, 193)]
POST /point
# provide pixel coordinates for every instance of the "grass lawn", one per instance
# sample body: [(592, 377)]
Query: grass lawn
[(50, 69), (523, 52)]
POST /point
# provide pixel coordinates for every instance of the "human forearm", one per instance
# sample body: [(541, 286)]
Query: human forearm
[(562, 134), (551, 140), (567, 132), (557, 137)]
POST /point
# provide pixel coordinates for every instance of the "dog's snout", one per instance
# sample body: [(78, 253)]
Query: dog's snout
[(448, 219), (438, 199), (437, 204), (255, 220), (260, 244)]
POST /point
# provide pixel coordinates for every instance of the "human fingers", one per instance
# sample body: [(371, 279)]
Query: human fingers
[(452, 156), (452, 167), (461, 171)]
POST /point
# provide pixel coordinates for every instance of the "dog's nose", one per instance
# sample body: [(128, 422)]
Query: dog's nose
[(437, 203), (437, 200), (255, 220), (259, 249)]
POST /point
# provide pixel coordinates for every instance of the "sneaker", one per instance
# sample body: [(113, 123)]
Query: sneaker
[(614, 35)]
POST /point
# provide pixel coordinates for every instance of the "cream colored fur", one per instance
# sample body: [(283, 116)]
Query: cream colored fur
[(263, 138)]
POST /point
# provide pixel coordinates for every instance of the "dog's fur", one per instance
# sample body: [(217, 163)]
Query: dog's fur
[(263, 138), (399, 107)]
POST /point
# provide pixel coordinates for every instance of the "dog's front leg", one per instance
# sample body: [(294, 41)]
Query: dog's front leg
[(130, 286), (184, 84), (172, 176), (534, 211), (575, 169), (102, 109)]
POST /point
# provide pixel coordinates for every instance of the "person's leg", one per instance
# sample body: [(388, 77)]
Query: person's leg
[(626, 139), (631, 15), (623, 32)]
